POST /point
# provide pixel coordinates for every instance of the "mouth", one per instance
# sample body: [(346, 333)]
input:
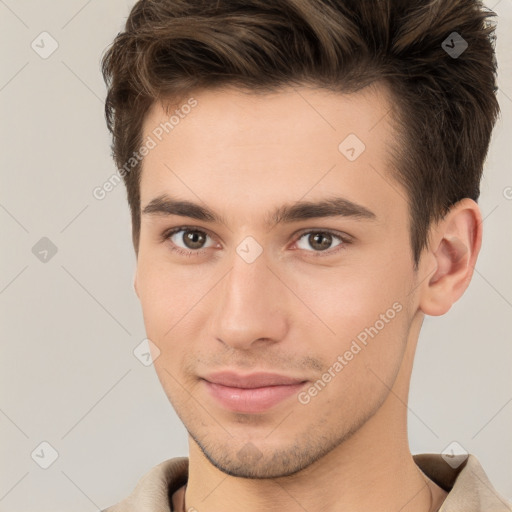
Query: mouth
[(251, 394)]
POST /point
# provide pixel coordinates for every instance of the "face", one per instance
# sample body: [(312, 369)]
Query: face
[(264, 283)]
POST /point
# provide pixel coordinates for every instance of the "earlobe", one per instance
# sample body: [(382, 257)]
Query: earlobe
[(454, 248)]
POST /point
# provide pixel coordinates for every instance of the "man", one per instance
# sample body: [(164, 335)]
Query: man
[(302, 178)]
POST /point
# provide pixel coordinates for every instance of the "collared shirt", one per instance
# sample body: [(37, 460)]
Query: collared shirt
[(162, 489)]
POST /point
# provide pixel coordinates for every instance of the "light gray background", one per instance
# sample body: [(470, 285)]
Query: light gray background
[(68, 375)]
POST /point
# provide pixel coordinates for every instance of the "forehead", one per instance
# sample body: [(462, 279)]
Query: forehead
[(272, 147), (251, 117)]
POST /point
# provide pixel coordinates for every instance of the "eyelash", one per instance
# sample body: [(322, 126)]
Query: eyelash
[(344, 239)]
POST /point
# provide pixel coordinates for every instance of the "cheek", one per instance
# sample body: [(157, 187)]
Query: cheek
[(348, 301), (167, 291), (362, 359), (359, 317), (170, 298)]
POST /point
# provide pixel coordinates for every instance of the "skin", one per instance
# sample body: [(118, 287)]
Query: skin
[(293, 311)]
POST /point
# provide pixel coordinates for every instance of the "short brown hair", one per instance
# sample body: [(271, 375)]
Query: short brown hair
[(446, 103)]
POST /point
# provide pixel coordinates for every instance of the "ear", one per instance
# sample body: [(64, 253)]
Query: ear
[(450, 259)]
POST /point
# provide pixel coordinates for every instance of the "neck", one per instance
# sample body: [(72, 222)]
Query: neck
[(372, 470)]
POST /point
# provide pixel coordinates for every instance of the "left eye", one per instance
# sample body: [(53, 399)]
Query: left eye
[(319, 240)]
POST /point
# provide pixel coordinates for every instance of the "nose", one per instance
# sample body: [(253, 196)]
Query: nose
[(250, 305)]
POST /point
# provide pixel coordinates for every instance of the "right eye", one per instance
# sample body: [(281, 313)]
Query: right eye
[(186, 240)]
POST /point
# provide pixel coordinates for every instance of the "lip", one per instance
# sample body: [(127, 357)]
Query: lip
[(253, 380), (253, 393)]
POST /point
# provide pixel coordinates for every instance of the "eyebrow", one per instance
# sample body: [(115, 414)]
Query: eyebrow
[(301, 210)]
